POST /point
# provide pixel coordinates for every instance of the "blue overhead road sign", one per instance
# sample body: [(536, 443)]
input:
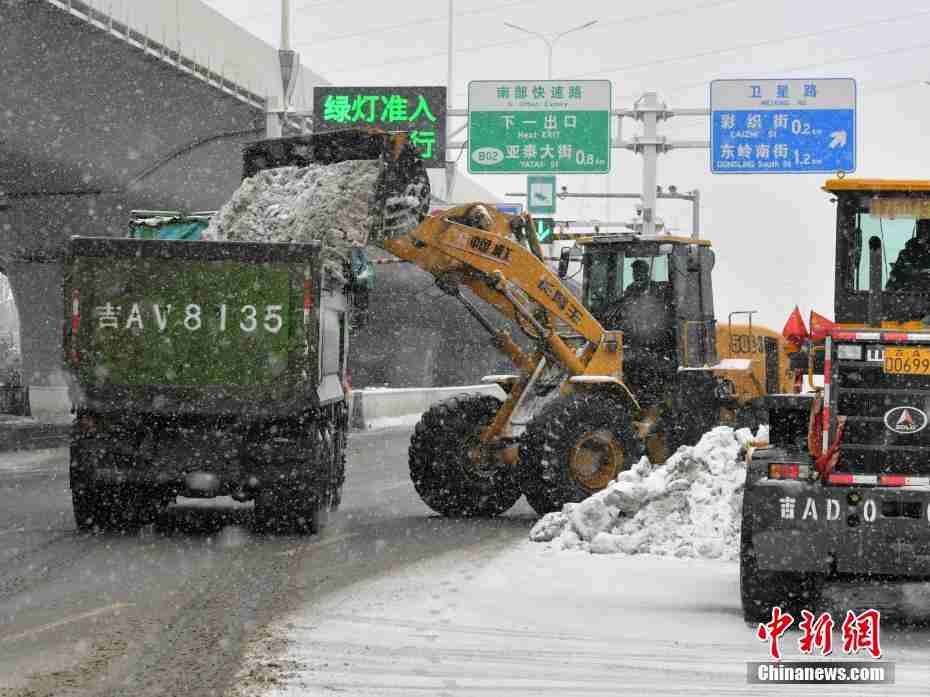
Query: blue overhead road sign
[(771, 126)]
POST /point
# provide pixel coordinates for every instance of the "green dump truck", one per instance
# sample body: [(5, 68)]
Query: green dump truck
[(205, 369), (208, 368)]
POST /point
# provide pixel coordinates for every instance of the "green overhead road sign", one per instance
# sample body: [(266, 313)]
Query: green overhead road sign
[(540, 194), (539, 126)]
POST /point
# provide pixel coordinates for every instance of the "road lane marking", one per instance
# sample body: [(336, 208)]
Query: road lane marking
[(67, 620), (318, 545)]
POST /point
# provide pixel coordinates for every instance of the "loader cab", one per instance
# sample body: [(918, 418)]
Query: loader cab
[(667, 318), (882, 251)]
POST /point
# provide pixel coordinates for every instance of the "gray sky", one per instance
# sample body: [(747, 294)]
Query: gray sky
[(773, 234)]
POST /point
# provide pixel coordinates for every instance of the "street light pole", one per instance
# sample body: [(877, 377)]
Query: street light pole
[(285, 25), (550, 42), (289, 64)]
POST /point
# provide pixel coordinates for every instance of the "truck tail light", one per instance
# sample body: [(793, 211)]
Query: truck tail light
[(75, 326), (878, 480), (785, 470)]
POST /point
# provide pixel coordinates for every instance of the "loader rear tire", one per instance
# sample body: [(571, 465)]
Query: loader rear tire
[(443, 471), (574, 447)]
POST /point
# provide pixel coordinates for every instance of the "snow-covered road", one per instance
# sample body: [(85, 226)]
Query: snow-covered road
[(530, 620)]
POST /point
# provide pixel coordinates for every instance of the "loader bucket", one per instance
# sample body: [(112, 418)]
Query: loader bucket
[(402, 194)]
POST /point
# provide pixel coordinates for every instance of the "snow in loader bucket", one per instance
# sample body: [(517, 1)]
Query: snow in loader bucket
[(346, 189)]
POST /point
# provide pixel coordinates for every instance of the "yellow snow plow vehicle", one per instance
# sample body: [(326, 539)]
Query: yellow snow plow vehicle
[(636, 364)]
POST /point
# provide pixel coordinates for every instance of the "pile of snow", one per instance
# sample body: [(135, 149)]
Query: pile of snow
[(332, 203), (688, 507)]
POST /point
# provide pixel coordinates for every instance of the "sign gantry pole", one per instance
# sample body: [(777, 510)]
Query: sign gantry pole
[(648, 109)]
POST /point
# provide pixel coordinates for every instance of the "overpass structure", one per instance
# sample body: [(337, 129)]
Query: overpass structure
[(105, 108)]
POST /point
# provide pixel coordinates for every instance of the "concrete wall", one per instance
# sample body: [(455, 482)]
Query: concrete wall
[(202, 34), (83, 111), (414, 335)]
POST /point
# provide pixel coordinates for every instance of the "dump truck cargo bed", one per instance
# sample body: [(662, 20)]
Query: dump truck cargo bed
[(198, 327)]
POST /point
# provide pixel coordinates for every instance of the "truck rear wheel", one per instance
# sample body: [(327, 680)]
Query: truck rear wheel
[(87, 504), (760, 591), (296, 507), (450, 470), (110, 507), (575, 447), (290, 511)]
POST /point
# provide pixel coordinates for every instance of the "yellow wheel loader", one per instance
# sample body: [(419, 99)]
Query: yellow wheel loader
[(627, 368)]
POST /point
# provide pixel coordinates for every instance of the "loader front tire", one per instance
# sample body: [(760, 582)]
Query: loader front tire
[(444, 468), (575, 447)]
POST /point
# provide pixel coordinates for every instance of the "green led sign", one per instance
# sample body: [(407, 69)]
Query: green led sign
[(419, 110)]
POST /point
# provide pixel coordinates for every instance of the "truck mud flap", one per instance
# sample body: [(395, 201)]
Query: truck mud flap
[(849, 530)]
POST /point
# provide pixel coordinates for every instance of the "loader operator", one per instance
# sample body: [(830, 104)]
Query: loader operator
[(911, 270), (644, 314), (639, 287), (640, 284)]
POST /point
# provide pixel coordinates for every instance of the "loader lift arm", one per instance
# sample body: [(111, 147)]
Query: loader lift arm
[(497, 268)]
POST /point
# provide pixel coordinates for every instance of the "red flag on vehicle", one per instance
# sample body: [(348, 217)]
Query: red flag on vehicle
[(820, 326), (794, 330)]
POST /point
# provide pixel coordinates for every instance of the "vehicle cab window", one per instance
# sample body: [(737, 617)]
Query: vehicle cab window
[(612, 275)]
